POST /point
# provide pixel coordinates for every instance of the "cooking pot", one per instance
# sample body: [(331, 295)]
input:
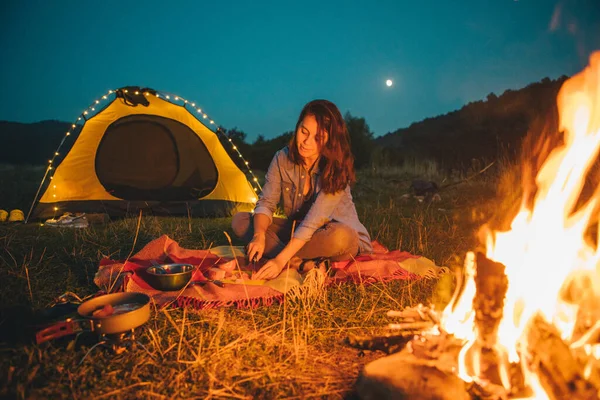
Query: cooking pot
[(106, 314)]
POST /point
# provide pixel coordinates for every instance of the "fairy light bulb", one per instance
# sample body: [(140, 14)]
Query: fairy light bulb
[(211, 122), (55, 209)]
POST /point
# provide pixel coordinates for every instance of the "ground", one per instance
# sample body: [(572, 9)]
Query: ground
[(290, 350)]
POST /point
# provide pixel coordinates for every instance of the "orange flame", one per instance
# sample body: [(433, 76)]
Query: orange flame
[(546, 246)]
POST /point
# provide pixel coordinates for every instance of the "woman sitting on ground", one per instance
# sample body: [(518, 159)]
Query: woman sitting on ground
[(312, 177)]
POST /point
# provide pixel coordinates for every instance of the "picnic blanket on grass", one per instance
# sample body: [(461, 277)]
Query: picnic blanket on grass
[(380, 266)]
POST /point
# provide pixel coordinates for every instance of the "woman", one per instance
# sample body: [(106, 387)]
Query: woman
[(312, 177)]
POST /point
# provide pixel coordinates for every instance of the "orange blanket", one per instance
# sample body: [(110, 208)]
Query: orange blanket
[(382, 265)]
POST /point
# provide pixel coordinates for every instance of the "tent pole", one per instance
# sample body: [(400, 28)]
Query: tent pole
[(37, 194)]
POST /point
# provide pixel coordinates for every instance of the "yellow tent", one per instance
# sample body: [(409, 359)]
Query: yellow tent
[(144, 150)]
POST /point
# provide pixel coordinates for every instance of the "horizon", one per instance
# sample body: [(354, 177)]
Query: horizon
[(253, 68)]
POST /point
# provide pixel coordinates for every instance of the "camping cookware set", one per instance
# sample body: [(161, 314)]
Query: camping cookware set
[(107, 314), (119, 313)]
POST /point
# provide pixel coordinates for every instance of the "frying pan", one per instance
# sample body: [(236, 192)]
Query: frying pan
[(131, 310)]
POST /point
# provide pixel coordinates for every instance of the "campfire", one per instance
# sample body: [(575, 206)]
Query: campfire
[(524, 321)]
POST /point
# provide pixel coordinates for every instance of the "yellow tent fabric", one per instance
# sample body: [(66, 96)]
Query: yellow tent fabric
[(145, 156)]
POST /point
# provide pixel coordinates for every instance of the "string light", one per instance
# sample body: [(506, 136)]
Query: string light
[(57, 153), (106, 97), (219, 131)]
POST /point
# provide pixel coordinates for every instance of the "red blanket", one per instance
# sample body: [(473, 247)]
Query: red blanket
[(382, 265)]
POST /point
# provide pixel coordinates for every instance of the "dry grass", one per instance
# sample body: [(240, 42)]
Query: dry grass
[(290, 350)]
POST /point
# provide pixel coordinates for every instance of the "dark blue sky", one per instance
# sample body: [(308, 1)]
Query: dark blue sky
[(253, 64)]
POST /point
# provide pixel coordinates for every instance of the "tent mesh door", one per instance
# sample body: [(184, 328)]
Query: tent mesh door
[(147, 157)]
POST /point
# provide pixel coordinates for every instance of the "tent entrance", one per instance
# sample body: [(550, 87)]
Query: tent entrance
[(148, 157)]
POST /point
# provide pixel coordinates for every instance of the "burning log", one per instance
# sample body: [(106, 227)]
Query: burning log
[(484, 357), (491, 284), (550, 358), (488, 391)]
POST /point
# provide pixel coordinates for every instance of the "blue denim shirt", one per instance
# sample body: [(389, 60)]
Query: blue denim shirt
[(284, 183)]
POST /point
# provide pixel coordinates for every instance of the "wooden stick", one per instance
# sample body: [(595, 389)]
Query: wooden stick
[(550, 358)]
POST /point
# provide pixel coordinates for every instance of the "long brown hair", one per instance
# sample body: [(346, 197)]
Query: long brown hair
[(337, 161)]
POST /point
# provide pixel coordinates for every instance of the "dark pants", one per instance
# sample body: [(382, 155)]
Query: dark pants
[(334, 240)]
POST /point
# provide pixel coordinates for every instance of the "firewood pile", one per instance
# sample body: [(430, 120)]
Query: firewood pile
[(423, 359)]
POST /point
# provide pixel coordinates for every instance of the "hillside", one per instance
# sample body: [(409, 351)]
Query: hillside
[(483, 130), (30, 143)]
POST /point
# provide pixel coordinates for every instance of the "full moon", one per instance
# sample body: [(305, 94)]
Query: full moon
[(389, 82)]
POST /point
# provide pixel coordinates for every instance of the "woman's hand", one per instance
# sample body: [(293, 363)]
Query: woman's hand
[(256, 247), (270, 270)]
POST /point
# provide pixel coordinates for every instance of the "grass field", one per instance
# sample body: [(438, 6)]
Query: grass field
[(289, 350)]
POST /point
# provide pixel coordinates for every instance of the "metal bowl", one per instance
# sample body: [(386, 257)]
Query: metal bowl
[(169, 277)]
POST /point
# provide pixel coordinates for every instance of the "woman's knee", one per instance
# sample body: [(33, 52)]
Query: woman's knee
[(241, 224), (342, 241)]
